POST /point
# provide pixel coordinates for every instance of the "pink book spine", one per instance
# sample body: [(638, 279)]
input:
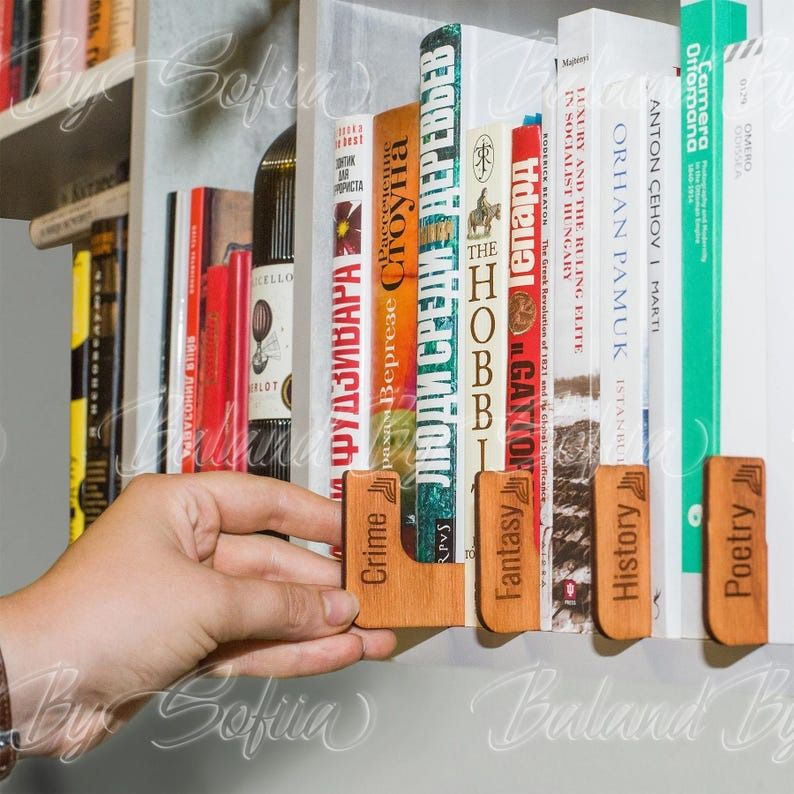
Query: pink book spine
[(237, 384)]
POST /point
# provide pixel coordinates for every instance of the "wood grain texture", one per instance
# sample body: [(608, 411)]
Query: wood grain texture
[(507, 560), (622, 559), (394, 591), (735, 561)]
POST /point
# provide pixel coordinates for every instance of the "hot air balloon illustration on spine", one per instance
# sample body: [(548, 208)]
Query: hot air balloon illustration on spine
[(267, 346)]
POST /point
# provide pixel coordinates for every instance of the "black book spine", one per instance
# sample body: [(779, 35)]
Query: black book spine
[(106, 365)]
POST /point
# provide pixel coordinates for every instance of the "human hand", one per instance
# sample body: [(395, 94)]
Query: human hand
[(170, 577)]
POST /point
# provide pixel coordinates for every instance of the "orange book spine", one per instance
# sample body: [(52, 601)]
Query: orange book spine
[(98, 41), (395, 254)]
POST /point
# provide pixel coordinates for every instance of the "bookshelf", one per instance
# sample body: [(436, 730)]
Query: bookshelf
[(339, 49)]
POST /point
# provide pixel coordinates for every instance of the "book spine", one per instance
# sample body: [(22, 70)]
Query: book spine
[(74, 34), (106, 345), (395, 202), (48, 76), (524, 313), (98, 32), (707, 27), (487, 265), (438, 416), (74, 220), (576, 376), (624, 269), (6, 35), (192, 330), (213, 353), (664, 350), (351, 300), (177, 331), (81, 311), (16, 60), (32, 47), (548, 254), (122, 26), (237, 366)]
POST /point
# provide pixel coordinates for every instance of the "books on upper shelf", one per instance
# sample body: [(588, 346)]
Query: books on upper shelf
[(45, 43)]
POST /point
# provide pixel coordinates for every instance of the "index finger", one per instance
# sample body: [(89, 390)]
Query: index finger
[(247, 503)]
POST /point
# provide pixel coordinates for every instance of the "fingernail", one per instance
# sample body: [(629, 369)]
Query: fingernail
[(340, 607)]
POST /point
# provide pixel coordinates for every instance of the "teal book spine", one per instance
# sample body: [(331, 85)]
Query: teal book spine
[(439, 296), (707, 27)]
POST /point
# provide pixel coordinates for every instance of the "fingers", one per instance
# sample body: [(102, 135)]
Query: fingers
[(246, 503), (242, 608), (311, 657), (264, 557)]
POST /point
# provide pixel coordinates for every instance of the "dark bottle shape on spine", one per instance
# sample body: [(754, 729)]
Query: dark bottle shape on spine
[(270, 358)]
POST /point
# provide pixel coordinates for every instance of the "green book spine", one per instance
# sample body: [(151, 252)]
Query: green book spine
[(707, 27), (438, 328)]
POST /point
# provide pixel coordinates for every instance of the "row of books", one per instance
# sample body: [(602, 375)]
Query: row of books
[(99, 276), (44, 43), (541, 264)]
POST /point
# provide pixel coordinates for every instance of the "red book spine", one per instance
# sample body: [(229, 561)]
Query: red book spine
[(237, 366), (192, 329), (214, 371), (524, 307), (6, 27)]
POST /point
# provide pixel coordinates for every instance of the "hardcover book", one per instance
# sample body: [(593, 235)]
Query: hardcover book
[(78, 412), (624, 274), (549, 189), (663, 201), (220, 222), (351, 306), (596, 48), (707, 27), (468, 77), (488, 222), (395, 204), (98, 36), (106, 362), (522, 321)]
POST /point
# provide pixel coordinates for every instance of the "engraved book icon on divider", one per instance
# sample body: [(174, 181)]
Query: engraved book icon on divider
[(519, 487), (385, 486), (634, 481), (752, 476)]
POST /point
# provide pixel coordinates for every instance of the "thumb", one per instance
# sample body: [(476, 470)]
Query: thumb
[(248, 608)]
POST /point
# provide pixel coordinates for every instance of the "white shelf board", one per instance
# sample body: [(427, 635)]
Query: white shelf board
[(648, 661), (64, 133), (62, 100)]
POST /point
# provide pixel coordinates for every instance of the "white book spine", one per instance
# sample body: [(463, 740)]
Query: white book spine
[(664, 350), (74, 221), (596, 48), (548, 253), (487, 245), (624, 304), (351, 299), (176, 363), (779, 211)]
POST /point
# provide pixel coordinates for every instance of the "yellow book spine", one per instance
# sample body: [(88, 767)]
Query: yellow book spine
[(81, 303)]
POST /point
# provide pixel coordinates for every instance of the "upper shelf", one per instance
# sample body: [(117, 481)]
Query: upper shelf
[(62, 134)]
